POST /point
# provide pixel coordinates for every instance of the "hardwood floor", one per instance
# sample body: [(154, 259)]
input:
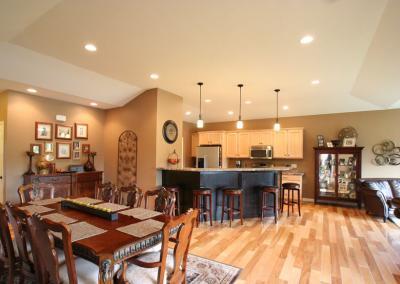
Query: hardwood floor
[(325, 245)]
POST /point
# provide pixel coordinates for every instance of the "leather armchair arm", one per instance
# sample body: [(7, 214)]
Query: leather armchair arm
[(375, 202)]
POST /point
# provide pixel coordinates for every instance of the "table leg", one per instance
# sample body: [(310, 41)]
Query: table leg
[(106, 270)]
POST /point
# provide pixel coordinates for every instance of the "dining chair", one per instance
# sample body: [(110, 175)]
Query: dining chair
[(131, 196), (105, 192), (164, 201), (73, 269), (35, 191), (8, 257), (169, 264)]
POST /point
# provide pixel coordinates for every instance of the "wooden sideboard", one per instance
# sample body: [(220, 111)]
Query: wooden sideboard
[(67, 184)]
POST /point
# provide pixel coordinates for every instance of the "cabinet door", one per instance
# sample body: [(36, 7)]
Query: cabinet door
[(255, 138), (244, 144), (203, 138), (280, 144), (195, 143), (295, 143), (231, 145), (267, 137), (215, 138)]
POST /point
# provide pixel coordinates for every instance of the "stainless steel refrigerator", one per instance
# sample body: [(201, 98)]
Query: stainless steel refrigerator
[(209, 156)]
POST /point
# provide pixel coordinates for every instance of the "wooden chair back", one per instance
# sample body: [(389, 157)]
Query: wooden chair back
[(131, 196), (36, 191), (8, 256), (105, 192), (44, 251), (164, 201)]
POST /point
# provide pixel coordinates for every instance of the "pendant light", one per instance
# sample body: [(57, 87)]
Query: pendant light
[(239, 123), (277, 126), (200, 121)]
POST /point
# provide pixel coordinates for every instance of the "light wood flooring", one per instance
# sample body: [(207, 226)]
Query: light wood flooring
[(326, 244)]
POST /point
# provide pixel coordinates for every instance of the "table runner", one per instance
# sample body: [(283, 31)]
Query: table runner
[(36, 209), (46, 201), (81, 230), (87, 200), (143, 228), (112, 206), (140, 213), (57, 217)]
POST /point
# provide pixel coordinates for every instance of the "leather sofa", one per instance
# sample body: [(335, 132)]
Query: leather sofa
[(380, 195)]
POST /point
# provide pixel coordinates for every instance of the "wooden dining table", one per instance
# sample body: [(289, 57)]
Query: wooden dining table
[(112, 247)]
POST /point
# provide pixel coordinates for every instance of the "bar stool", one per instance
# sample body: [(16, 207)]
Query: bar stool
[(176, 191), (265, 193), (291, 187), (200, 198), (230, 194)]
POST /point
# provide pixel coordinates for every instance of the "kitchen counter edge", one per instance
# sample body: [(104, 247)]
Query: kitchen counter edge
[(281, 169)]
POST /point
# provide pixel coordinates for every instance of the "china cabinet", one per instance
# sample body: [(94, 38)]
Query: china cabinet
[(336, 172)]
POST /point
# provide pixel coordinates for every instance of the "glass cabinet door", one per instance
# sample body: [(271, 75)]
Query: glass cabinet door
[(327, 175), (347, 175)]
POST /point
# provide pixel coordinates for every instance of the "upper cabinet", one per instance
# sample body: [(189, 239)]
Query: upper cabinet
[(237, 144), (288, 144), (211, 138), (264, 137)]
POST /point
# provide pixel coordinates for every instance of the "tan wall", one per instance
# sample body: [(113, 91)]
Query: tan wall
[(23, 111), (169, 107), (140, 116), (187, 130), (372, 127), (3, 118)]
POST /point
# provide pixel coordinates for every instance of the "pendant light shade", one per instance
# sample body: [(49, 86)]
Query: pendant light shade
[(239, 123), (200, 121), (277, 125)]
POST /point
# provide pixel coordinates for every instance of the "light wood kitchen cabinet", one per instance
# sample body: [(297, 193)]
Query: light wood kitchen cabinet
[(211, 138), (265, 137), (195, 143), (231, 144), (237, 144), (243, 144), (288, 144)]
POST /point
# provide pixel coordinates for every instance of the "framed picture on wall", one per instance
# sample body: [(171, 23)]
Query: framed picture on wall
[(63, 150), (63, 132), (81, 131), (43, 131), (76, 145), (76, 155), (85, 148), (349, 142), (48, 147), (36, 149)]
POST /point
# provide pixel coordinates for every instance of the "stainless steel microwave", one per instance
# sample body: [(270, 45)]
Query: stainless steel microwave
[(261, 152)]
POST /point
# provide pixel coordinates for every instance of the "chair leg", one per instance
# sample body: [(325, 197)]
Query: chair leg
[(298, 201), (262, 204), (288, 202), (178, 203), (230, 210), (292, 201), (205, 210), (211, 209), (241, 208), (275, 207), (223, 208)]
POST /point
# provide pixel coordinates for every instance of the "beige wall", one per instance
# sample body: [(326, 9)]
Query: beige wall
[(23, 110), (140, 116), (3, 118), (372, 127)]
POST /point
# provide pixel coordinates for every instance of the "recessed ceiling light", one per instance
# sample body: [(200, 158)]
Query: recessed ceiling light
[(31, 90), (247, 102), (315, 82), (207, 100), (154, 76), (307, 39), (93, 104), (188, 113), (285, 107), (230, 112), (90, 47)]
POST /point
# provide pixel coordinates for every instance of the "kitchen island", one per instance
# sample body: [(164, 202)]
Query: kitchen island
[(248, 179)]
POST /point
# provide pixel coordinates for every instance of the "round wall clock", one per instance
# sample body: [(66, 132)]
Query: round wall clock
[(170, 131)]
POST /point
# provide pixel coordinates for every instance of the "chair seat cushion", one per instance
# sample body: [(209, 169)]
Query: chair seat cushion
[(86, 271), (140, 275)]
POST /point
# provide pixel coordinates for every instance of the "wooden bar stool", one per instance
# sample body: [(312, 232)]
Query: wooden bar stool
[(200, 198), (265, 193), (176, 191), (291, 187), (230, 194)]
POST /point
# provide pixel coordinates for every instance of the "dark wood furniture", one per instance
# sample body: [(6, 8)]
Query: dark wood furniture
[(32, 192), (176, 191), (336, 172), (131, 196), (69, 183), (265, 193), (105, 192), (291, 188), (99, 249), (8, 258), (230, 194), (164, 201), (201, 197), (181, 241)]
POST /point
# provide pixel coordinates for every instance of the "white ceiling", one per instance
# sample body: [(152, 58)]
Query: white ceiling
[(355, 55)]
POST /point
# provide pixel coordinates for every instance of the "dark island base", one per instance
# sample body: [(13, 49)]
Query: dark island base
[(250, 182)]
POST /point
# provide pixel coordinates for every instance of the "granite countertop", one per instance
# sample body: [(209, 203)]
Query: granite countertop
[(293, 173), (281, 169)]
